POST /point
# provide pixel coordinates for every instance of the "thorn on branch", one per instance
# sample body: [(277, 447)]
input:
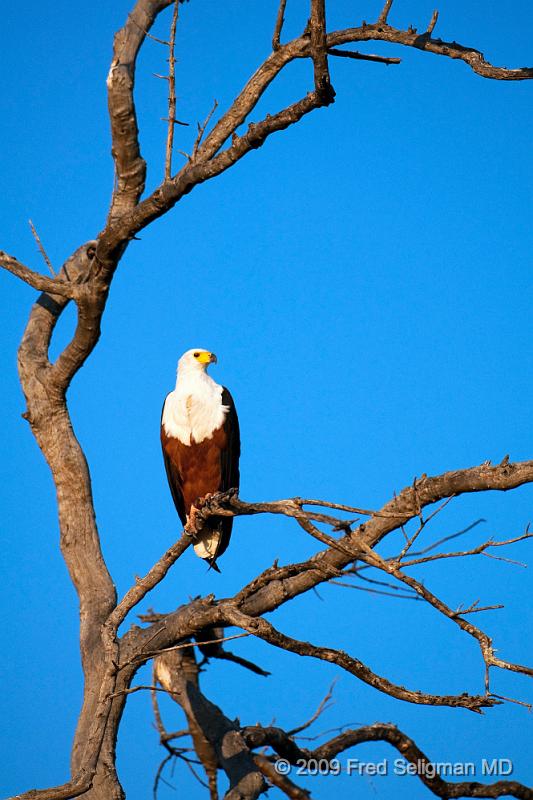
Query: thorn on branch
[(145, 32)]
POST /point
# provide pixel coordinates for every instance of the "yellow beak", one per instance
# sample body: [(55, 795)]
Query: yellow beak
[(207, 358)]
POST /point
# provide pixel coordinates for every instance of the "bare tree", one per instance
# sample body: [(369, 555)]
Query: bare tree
[(347, 548)]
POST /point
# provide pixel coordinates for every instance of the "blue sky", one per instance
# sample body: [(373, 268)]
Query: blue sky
[(365, 279)]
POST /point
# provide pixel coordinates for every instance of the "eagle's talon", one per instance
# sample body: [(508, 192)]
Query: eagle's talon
[(190, 528)]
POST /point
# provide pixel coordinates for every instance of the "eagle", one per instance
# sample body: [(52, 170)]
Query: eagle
[(201, 447)]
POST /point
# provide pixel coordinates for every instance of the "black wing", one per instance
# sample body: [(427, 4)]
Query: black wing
[(174, 480), (230, 457), (229, 471)]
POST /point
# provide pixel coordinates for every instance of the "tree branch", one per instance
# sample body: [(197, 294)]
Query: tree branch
[(363, 56), (410, 38), (280, 19), (319, 52), (484, 641), (264, 630), (171, 92), (37, 281), (382, 19), (217, 740), (129, 165), (287, 786), (41, 248), (425, 769)]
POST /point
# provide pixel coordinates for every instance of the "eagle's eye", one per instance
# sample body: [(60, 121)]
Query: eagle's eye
[(196, 355)]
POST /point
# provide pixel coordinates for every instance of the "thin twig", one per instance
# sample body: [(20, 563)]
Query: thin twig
[(432, 22), (475, 551), (159, 776), (382, 19), (474, 608), (367, 512), (41, 248), (375, 591), (322, 706), (143, 585), (529, 706), (134, 689), (280, 19), (448, 538), (356, 55), (184, 646), (201, 130), (507, 560), (484, 641), (423, 522), (171, 92), (145, 32)]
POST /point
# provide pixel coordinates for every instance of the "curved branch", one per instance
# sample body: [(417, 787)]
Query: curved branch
[(425, 769), (423, 41), (264, 630)]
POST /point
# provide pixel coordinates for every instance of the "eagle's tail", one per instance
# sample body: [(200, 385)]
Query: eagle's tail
[(212, 541)]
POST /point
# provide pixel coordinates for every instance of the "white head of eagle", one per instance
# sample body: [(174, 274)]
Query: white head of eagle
[(201, 446)]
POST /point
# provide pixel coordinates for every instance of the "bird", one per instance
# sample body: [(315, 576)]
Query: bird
[(201, 446)]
